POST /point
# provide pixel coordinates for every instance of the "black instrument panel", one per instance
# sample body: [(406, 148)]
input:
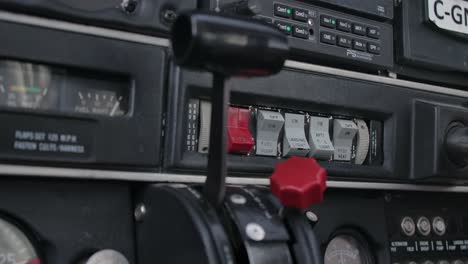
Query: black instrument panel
[(323, 34), (73, 96), (389, 227), (427, 227), (83, 101)]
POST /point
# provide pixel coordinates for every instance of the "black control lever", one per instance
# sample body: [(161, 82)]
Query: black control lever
[(228, 47), (182, 225), (456, 143)]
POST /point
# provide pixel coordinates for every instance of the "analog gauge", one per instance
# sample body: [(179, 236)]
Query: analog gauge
[(100, 102), (26, 85), (15, 247), (107, 256), (346, 249)]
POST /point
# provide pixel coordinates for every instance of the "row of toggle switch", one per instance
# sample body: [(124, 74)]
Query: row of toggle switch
[(423, 225), (266, 132)]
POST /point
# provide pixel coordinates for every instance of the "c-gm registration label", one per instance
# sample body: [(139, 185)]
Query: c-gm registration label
[(450, 15)]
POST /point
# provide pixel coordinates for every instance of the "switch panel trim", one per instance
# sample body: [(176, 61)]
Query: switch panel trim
[(133, 176)]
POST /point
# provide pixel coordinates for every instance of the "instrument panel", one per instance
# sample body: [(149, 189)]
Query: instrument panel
[(317, 33), (68, 105), (100, 101)]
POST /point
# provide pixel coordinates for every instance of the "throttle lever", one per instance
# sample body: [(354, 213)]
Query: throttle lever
[(228, 47)]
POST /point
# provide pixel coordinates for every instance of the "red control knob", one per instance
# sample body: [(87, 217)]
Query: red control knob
[(299, 182)]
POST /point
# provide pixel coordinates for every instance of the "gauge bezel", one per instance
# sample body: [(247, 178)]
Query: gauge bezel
[(356, 234), (32, 236)]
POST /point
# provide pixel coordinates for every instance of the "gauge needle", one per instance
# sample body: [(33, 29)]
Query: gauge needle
[(116, 105)]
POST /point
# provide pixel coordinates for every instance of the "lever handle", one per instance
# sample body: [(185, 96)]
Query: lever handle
[(226, 46), (456, 144)]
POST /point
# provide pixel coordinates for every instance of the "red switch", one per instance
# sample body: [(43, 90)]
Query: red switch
[(299, 182), (240, 139)]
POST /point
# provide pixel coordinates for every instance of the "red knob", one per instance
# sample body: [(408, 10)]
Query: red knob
[(299, 182)]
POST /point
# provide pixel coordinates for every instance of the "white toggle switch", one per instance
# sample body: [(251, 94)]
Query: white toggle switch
[(205, 126), (294, 141), (321, 146), (269, 125), (344, 132), (362, 142)]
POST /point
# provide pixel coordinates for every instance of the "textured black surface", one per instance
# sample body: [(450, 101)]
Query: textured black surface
[(420, 43), (147, 17)]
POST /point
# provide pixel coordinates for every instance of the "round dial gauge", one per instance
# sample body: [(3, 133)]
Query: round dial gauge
[(15, 247), (346, 249)]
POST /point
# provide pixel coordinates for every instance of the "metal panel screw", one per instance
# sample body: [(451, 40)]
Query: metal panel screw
[(140, 212)]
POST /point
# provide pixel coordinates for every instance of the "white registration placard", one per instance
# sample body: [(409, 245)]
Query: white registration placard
[(450, 15)]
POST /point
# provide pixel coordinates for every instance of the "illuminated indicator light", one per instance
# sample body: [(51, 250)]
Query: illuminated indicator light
[(289, 11), (23, 89), (288, 28), (333, 22)]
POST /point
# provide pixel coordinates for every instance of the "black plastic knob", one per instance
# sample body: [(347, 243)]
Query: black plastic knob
[(228, 45), (456, 144), (129, 6)]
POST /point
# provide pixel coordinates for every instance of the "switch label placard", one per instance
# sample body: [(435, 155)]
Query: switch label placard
[(294, 141), (344, 132), (321, 146), (269, 125)]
